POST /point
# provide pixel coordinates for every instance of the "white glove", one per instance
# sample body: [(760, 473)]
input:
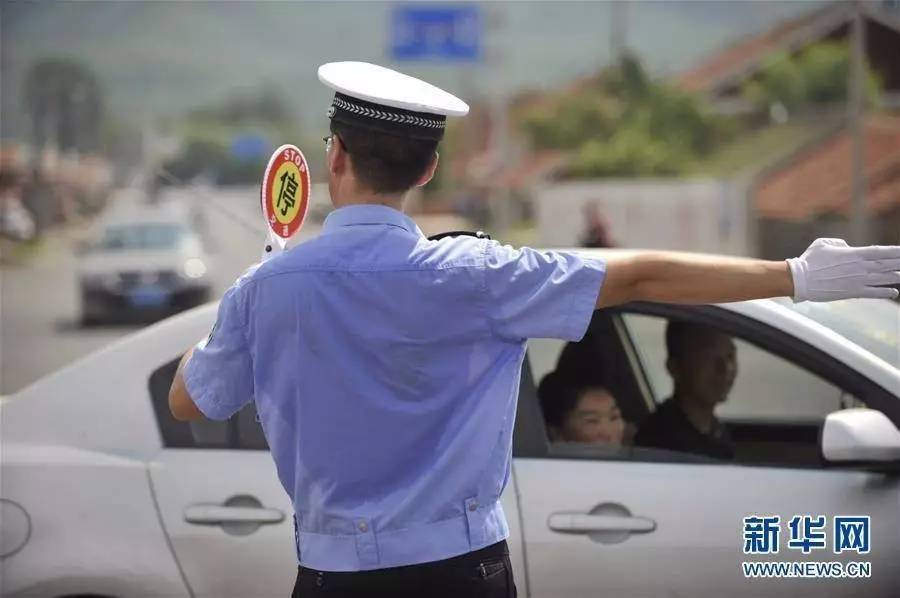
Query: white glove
[(830, 269)]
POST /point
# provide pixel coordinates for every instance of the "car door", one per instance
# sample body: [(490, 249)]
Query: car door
[(633, 521), (227, 516)]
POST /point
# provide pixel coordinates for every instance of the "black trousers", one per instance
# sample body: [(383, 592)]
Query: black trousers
[(485, 573)]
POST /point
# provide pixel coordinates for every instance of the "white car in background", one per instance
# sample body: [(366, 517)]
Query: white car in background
[(143, 261), (105, 494)]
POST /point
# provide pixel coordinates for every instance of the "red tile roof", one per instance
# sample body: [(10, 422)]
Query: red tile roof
[(733, 61), (521, 172), (533, 167), (818, 179)]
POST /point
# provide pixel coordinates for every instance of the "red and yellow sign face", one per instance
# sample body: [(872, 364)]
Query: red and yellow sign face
[(285, 191)]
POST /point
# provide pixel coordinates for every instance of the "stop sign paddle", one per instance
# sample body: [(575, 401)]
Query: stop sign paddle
[(284, 197)]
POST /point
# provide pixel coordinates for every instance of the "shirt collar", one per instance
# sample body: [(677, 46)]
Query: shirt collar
[(718, 431), (369, 214)]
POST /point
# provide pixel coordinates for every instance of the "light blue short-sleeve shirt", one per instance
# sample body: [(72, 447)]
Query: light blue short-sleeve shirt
[(385, 369)]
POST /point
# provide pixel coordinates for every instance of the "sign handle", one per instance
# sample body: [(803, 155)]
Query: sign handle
[(273, 246)]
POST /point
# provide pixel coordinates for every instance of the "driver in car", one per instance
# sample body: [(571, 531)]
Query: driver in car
[(703, 364)]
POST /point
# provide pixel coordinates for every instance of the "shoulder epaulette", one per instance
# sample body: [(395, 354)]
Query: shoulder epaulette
[(460, 233)]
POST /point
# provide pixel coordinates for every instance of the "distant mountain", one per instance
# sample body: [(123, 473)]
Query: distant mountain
[(159, 59)]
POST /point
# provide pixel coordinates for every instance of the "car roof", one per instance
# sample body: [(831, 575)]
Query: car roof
[(132, 207)]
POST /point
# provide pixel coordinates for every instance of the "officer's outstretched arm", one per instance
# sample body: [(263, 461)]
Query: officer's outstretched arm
[(828, 270), (181, 404), (669, 277)]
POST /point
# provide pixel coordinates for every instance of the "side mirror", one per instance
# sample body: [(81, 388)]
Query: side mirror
[(859, 435)]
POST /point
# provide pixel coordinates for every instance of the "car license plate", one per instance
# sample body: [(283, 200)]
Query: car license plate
[(149, 296)]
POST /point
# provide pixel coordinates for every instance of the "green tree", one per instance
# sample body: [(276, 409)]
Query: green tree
[(572, 120), (209, 133), (265, 106), (626, 125), (630, 152), (817, 76), (198, 157)]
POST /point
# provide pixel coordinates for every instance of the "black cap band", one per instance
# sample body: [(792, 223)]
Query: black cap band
[(386, 119)]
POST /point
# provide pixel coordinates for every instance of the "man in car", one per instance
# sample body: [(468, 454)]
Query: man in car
[(385, 367), (703, 364)]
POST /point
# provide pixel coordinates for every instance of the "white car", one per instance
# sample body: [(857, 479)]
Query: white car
[(105, 494), (146, 262)]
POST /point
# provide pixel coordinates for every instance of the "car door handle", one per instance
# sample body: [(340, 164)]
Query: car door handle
[(218, 514), (585, 523)]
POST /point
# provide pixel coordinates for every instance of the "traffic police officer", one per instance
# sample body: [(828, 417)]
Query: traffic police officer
[(385, 366)]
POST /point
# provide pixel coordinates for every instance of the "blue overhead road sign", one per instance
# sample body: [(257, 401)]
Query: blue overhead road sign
[(442, 33), (249, 146)]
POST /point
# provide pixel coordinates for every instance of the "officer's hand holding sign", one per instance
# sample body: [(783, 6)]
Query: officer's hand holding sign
[(385, 366)]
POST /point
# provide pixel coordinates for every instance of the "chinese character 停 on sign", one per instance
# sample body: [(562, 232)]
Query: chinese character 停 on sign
[(288, 192)]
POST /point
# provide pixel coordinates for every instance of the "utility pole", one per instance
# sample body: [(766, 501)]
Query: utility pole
[(859, 232), (618, 34), (501, 208)]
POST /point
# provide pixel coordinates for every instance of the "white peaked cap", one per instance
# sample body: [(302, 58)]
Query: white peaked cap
[(383, 99)]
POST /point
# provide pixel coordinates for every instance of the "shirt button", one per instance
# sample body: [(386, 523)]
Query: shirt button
[(473, 506), (363, 527)]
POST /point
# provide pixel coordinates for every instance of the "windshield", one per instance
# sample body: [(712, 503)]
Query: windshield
[(141, 236), (873, 324)]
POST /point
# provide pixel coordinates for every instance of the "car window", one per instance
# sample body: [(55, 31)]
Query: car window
[(249, 431), (766, 387), (586, 390), (141, 237), (768, 410), (543, 355), (242, 431), (770, 414)]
